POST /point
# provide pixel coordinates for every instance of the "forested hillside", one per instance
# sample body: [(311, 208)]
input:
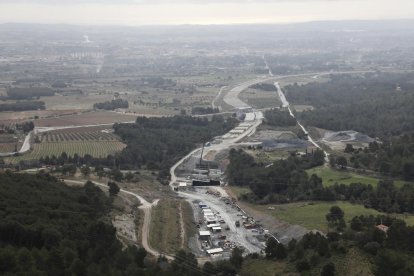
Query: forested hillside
[(391, 158), (283, 180), (286, 181), (159, 142), (48, 228), (380, 105), (278, 118)]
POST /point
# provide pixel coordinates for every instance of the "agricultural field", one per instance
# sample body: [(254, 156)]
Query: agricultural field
[(302, 80), (78, 135), (312, 215), (95, 141), (88, 118), (10, 147), (80, 101), (260, 99), (7, 118), (11, 142), (330, 176)]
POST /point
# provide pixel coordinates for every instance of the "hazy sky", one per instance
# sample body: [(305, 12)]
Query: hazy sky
[(148, 12)]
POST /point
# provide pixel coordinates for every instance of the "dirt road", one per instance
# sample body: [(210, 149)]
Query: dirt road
[(213, 103), (146, 207)]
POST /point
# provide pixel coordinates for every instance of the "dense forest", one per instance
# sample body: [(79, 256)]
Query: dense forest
[(159, 142), (284, 180), (386, 254), (276, 117), (25, 127), (29, 93), (22, 106), (393, 158), (198, 110), (48, 228), (380, 105), (112, 105)]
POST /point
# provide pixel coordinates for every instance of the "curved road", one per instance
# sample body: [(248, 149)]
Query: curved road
[(145, 206)]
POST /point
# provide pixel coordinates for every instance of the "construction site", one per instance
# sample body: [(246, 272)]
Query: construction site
[(222, 224)]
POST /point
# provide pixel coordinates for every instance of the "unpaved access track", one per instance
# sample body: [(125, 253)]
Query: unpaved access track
[(146, 207)]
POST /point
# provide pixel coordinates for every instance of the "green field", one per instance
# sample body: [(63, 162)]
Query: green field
[(238, 191), (94, 148), (331, 176), (262, 267), (95, 141), (354, 263), (260, 99), (165, 227), (311, 215)]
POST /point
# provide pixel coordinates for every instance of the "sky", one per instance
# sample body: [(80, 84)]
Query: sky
[(175, 12)]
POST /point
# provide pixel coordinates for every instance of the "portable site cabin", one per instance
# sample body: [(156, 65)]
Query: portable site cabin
[(215, 251), (217, 229), (210, 226), (204, 235), (182, 184), (208, 213), (209, 216), (211, 220)]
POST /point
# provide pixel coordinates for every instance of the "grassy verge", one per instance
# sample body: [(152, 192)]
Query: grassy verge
[(311, 215), (238, 191), (189, 225), (354, 263), (331, 176), (165, 226), (260, 267)]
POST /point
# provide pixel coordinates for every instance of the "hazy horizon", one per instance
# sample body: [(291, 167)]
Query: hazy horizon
[(197, 12)]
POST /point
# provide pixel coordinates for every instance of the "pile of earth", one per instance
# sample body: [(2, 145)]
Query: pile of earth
[(347, 136)]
